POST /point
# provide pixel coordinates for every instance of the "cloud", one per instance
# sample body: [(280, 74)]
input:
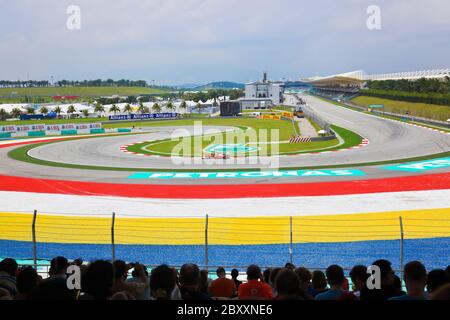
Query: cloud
[(202, 40)]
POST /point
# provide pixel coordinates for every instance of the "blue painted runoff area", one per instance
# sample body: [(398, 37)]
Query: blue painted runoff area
[(434, 253)]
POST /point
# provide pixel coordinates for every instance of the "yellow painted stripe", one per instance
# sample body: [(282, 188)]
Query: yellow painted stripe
[(228, 231)]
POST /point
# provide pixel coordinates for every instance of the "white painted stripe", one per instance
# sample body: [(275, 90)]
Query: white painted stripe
[(299, 206)]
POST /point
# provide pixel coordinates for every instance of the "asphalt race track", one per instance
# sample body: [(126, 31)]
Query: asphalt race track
[(389, 140)]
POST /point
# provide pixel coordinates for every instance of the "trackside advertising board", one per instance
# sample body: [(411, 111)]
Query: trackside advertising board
[(73, 126), (49, 127), (145, 116)]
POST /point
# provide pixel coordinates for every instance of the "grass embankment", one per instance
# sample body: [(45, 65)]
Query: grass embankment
[(424, 110), (77, 91)]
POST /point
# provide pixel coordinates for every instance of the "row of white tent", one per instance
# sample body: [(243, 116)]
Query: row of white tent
[(80, 107)]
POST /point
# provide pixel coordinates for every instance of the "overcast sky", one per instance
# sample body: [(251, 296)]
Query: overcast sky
[(182, 41)]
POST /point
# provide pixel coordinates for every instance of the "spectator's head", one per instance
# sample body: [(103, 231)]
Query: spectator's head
[(253, 272), (221, 272), (27, 279), (162, 282), (359, 277), (78, 262), (287, 284), (335, 275), (120, 270), (289, 266), (273, 275), (443, 293), (415, 276), (266, 275), (235, 273), (387, 274), (58, 266), (304, 276), (139, 270), (97, 279), (9, 266), (436, 279), (190, 275), (319, 281)]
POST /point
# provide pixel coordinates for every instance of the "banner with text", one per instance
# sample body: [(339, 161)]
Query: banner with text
[(49, 127), (145, 116)]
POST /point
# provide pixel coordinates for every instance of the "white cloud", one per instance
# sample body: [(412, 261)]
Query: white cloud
[(200, 40)]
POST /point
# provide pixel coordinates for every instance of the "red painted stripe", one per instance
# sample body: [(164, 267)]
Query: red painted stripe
[(413, 183)]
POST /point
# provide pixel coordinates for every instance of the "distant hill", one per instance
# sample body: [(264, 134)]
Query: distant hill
[(224, 85), (187, 86)]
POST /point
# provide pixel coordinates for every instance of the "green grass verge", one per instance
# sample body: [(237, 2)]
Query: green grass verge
[(166, 147), (424, 110), (382, 115)]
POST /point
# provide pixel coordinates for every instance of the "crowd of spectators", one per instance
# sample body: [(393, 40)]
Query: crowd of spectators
[(118, 280)]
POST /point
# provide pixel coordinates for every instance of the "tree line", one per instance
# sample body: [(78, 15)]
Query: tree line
[(432, 91), (422, 85), (69, 83)]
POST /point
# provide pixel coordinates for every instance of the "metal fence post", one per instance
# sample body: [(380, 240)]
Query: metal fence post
[(291, 249), (113, 243), (33, 233), (206, 242), (402, 237)]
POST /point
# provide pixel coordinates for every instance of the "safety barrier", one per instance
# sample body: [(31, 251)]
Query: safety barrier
[(287, 237)]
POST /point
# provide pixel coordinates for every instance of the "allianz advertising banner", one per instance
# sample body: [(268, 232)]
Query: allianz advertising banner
[(49, 127), (145, 116)]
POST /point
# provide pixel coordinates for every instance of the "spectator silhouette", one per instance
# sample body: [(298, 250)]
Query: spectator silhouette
[(254, 289), (58, 267), (234, 276), (335, 278), (359, 277), (137, 288), (190, 279), (54, 289), (8, 269), (287, 285), (162, 282), (415, 280), (27, 280), (97, 280), (388, 289), (305, 277), (436, 279), (222, 287), (319, 282)]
